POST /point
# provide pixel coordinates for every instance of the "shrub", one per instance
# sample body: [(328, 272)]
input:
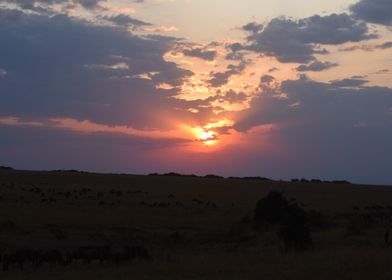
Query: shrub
[(296, 233), (271, 209), (275, 209)]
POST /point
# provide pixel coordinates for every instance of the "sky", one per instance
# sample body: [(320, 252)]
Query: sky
[(279, 89)]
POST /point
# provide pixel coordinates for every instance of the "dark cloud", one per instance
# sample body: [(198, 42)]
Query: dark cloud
[(230, 96), (234, 52), (253, 27), (88, 4), (31, 4), (273, 69), (383, 71), (374, 11), (316, 66), (299, 40), (347, 102), (386, 45), (64, 67), (327, 130), (266, 79), (126, 20), (222, 78), (208, 55), (51, 148), (350, 82), (235, 97), (367, 48)]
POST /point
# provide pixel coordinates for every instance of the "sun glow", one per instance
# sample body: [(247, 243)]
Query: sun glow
[(207, 137)]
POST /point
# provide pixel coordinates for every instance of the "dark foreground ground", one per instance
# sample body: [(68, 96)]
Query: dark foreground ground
[(96, 226)]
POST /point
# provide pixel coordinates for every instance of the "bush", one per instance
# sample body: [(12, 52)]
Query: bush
[(275, 209), (296, 233), (271, 209)]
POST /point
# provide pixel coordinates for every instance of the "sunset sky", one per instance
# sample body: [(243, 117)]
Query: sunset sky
[(280, 89)]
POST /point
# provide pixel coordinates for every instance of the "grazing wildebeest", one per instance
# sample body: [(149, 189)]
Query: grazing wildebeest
[(88, 254), (21, 258), (128, 253), (52, 256)]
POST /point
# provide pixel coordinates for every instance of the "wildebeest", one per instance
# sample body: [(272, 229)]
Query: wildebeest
[(128, 253), (87, 254), (52, 256), (20, 258)]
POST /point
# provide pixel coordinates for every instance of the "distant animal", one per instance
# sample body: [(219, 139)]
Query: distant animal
[(20, 258), (87, 254), (52, 256), (386, 236)]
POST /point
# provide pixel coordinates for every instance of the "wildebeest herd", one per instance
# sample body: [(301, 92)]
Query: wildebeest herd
[(83, 255), (32, 194)]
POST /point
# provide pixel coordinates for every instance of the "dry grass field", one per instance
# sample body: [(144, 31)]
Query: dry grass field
[(192, 228)]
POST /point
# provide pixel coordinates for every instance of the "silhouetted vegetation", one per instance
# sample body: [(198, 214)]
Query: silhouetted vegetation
[(6, 168), (251, 178), (295, 231), (271, 210), (275, 209), (69, 171), (318, 181), (173, 174), (213, 176)]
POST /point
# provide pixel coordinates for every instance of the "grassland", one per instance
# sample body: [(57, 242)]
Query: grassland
[(193, 228)]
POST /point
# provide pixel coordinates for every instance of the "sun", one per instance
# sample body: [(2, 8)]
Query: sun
[(207, 137)]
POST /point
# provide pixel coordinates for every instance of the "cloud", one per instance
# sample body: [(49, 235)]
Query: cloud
[(267, 79), (253, 27), (49, 148), (221, 78), (63, 67), (345, 102), (230, 96), (234, 52), (386, 45), (368, 47), (88, 127), (88, 4), (201, 53), (126, 20), (161, 28), (383, 71), (374, 11), (349, 82), (31, 4), (299, 40), (316, 66), (339, 129), (273, 69)]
